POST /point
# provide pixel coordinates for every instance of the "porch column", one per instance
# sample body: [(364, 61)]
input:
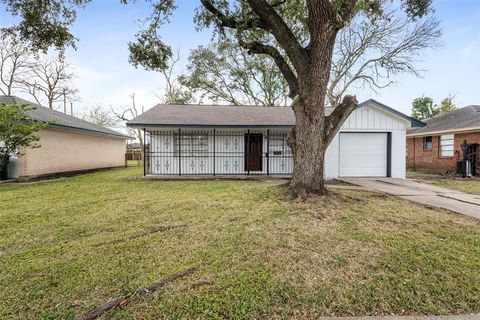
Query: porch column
[(144, 154), (214, 143), (248, 152), (179, 152), (268, 152)]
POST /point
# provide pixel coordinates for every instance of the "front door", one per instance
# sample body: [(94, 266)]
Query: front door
[(253, 151)]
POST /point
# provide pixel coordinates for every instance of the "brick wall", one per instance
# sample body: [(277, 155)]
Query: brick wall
[(430, 159), (63, 151)]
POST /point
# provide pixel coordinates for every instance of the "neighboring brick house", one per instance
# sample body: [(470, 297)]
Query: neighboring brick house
[(437, 146), (67, 144)]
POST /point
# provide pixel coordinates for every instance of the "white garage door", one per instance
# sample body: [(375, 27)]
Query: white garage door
[(363, 154)]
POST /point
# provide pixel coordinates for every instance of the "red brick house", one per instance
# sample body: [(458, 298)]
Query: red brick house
[(437, 146)]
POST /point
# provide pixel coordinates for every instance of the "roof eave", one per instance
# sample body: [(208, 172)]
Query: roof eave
[(94, 132), (193, 126), (437, 132)]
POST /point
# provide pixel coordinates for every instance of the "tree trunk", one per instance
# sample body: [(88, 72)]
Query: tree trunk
[(308, 146), (308, 138)]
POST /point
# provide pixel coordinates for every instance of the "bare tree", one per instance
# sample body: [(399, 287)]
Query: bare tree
[(127, 113), (100, 116), (16, 60), (369, 51), (223, 72), (50, 81), (175, 91)]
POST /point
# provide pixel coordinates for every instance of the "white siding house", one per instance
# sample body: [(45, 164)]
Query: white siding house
[(227, 140)]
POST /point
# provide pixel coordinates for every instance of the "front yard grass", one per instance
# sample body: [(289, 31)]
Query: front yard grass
[(69, 245), (454, 183)]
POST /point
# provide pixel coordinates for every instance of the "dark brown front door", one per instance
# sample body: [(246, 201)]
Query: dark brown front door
[(253, 151)]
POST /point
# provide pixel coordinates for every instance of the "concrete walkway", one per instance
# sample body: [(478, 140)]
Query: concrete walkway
[(460, 202), (459, 317)]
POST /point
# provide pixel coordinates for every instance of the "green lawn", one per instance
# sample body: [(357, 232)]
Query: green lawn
[(454, 183), (69, 245), (135, 163)]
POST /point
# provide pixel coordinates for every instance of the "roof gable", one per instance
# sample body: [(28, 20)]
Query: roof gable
[(61, 120), (370, 116), (413, 122)]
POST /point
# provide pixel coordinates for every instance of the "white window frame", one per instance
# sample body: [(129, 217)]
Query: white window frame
[(446, 145)]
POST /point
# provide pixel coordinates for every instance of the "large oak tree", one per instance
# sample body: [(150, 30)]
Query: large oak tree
[(302, 48)]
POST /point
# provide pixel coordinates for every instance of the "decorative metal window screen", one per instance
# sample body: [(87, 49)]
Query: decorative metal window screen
[(446, 145), (277, 145), (215, 152), (191, 144)]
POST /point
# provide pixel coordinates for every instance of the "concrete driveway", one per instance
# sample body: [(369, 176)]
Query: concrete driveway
[(460, 202)]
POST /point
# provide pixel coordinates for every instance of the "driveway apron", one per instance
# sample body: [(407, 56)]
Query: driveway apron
[(460, 202)]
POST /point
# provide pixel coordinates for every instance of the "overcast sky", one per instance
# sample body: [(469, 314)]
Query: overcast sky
[(105, 77)]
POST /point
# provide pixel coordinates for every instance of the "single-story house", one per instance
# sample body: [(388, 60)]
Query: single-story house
[(238, 140), (67, 144), (438, 145)]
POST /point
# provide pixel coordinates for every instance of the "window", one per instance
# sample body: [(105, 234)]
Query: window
[(446, 145), (191, 145), (278, 145), (427, 143)]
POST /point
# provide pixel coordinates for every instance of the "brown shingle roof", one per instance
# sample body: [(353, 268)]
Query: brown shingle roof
[(214, 115), (232, 116), (461, 119)]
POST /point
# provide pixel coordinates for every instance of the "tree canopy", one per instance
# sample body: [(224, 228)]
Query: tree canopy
[(424, 108), (298, 36)]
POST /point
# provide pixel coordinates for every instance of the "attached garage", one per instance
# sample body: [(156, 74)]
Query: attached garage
[(227, 140), (364, 154), (371, 143)]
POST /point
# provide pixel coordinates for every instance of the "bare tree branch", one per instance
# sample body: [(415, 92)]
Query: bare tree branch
[(15, 63), (267, 19), (225, 72), (282, 33), (127, 113), (50, 80), (370, 51), (335, 120), (259, 48), (175, 92)]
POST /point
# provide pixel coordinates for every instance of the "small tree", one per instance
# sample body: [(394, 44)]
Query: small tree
[(447, 104), (424, 108), (17, 131)]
